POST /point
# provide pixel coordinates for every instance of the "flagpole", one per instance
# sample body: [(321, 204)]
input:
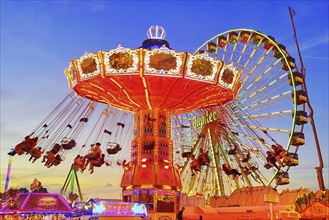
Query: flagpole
[(303, 72)]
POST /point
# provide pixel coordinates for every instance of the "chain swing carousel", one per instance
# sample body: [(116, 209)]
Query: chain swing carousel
[(228, 95), (153, 82), (196, 116)]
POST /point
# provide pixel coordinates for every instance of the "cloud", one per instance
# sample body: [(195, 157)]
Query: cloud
[(314, 42), (84, 7), (316, 58)]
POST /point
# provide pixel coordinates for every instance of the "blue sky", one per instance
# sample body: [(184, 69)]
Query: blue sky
[(39, 38)]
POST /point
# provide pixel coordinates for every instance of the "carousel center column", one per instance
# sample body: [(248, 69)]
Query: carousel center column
[(150, 177)]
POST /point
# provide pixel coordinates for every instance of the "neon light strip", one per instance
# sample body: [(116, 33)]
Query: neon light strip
[(67, 205), (146, 91), (8, 170), (128, 107), (26, 200), (124, 92)]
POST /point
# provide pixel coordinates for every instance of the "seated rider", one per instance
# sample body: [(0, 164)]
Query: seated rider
[(279, 153), (229, 171), (29, 143), (78, 163), (272, 159), (58, 159), (17, 150), (194, 165), (203, 157), (49, 158), (25, 146), (50, 155), (95, 152), (96, 163), (36, 154), (246, 158)]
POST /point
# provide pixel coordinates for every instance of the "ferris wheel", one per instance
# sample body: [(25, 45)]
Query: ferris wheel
[(267, 110)]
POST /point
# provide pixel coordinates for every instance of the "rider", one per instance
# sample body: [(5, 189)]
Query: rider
[(194, 165), (36, 153), (229, 171), (203, 157), (95, 153), (97, 163)]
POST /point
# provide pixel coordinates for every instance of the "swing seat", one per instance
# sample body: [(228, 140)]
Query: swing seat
[(268, 165), (84, 120), (114, 150), (185, 126), (186, 154), (69, 145), (247, 158), (121, 124), (56, 148), (107, 132)]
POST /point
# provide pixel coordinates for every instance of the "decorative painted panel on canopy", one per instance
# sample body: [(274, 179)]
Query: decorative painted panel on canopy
[(121, 60), (88, 66), (202, 67), (163, 61)]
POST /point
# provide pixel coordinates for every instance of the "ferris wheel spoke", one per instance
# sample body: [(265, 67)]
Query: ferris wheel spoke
[(261, 77), (262, 128), (257, 64), (264, 89), (245, 46), (264, 116), (273, 101)]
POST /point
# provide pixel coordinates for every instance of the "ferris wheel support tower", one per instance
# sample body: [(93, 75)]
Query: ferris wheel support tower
[(317, 144)]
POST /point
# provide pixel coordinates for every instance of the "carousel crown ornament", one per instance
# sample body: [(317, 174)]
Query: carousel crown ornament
[(156, 32)]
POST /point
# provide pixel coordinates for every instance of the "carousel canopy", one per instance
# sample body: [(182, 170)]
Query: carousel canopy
[(153, 77)]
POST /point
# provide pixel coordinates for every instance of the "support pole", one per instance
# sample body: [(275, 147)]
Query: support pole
[(317, 144)]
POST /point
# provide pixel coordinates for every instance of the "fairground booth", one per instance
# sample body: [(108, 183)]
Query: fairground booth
[(36, 206), (110, 209)]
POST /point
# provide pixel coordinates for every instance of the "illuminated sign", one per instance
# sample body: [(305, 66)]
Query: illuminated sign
[(119, 209), (47, 201), (166, 192), (199, 121)]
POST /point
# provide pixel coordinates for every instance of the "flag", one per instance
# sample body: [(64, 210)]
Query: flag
[(293, 13)]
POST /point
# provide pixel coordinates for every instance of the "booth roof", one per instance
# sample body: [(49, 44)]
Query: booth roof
[(31, 203)]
